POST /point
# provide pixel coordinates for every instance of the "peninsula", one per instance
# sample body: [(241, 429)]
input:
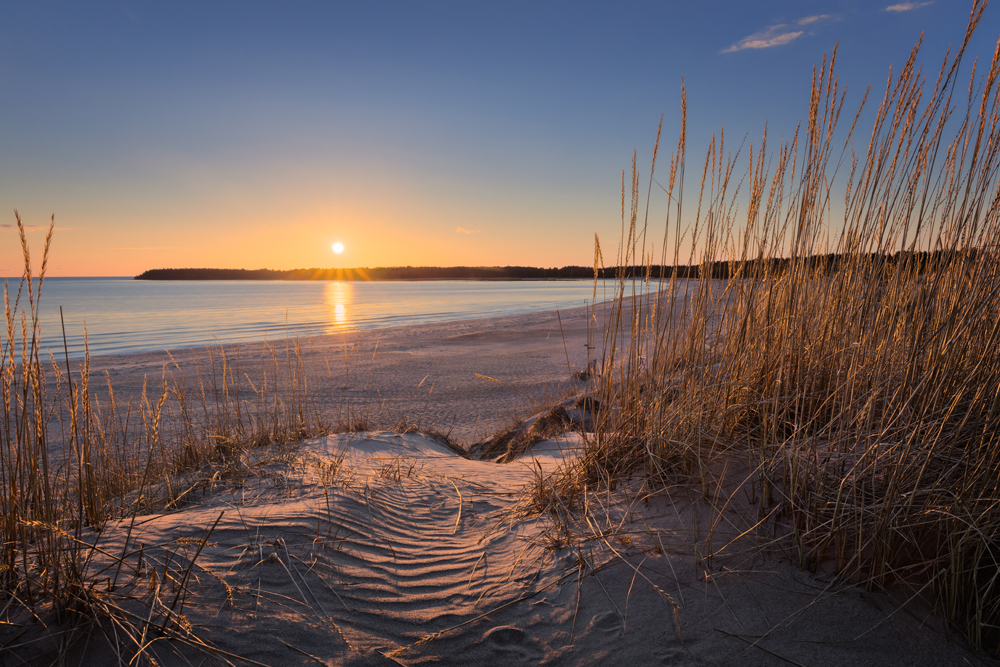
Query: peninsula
[(920, 261)]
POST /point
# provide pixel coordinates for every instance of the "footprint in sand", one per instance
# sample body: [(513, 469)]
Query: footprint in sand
[(609, 623), (505, 636), (515, 643), (669, 651), (670, 656)]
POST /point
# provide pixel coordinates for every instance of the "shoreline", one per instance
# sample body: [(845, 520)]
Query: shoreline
[(128, 317), (429, 374)]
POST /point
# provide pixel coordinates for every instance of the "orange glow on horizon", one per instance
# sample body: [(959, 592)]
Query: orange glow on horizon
[(91, 242)]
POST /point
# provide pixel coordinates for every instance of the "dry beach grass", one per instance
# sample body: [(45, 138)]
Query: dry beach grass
[(853, 387), (836, 409)]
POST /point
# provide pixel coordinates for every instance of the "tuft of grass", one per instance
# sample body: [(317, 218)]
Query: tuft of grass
[(838, 335)]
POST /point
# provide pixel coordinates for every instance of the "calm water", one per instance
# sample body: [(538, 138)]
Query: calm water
[(124, 315)]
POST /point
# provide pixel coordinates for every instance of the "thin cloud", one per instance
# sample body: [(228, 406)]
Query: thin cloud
[(806, 20), (907, 6), (777, 35), (774, 36), (463, 230)]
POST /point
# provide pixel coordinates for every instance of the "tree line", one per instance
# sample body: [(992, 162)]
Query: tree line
[(917, 261)]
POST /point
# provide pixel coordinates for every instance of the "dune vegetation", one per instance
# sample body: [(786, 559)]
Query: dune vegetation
[(861, 396), (70, 461)]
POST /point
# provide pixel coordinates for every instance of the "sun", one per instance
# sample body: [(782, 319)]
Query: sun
[(338, 247)]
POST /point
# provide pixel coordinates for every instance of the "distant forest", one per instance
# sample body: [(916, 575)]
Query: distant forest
[(921, 261), (378, 273)]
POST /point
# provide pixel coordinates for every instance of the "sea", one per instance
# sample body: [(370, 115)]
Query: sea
[(124, 316)]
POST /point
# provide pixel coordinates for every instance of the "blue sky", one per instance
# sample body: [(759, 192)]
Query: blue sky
[(255, 134)]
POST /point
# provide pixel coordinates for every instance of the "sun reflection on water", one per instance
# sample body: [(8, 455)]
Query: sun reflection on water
[(338, 297)]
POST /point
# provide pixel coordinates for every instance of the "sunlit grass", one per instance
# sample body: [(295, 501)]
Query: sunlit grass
[(856, 380), (74, 456)]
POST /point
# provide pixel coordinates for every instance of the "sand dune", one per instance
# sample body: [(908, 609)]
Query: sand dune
[(387, 548), (390, 548)]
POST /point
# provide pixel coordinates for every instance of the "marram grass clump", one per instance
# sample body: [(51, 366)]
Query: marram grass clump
[(850, 361)]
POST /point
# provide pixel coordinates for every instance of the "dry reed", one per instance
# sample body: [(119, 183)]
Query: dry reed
[(74, 455), (849, 360)]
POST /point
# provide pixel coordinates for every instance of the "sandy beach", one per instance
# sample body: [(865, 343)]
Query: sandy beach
[(432, 373), (381, 547)]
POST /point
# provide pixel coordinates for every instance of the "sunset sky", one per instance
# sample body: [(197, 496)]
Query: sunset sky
[(257, 134)]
